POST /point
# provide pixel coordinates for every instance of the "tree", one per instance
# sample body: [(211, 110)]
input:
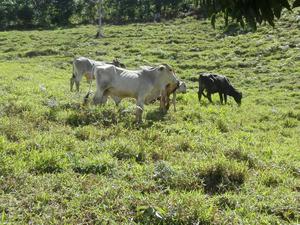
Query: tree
[(86, 11), (8, 13), (62, 11), (100, 13), (25, 15), (251, 12)]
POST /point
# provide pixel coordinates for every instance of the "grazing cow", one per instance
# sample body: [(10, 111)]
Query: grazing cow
[(83, 66), (181, 88), (217, 83), (144, 85)]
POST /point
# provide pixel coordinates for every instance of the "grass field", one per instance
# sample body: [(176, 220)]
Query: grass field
[(65, 163)]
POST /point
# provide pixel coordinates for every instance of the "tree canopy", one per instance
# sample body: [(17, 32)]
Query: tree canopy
[(251, 12), (45, 13)]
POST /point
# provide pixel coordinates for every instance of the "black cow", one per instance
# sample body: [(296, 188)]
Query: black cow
[(213, 83)]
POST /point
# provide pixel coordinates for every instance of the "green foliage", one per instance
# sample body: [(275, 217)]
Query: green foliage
[(247, 12), (46, 162), (103, 164), (52, 13)]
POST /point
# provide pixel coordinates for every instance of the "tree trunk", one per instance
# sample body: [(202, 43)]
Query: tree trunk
[(100, 28)]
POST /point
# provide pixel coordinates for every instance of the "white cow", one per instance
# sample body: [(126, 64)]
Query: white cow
[(144, 85), (83, 66)]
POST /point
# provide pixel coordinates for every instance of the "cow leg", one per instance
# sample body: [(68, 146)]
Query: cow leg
[(139, 109), (225, 98), (104, 99), (90, 86), (199, 96), (72, 81), (209, 97), (98, 97), (200, 93), (221, 98), (174, 101), (116, 99), (164, 101), (77, 83)]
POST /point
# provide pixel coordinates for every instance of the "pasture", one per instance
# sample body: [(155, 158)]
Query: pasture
[(65, 163)]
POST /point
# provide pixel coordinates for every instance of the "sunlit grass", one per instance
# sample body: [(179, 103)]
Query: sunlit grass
[(65, 163)]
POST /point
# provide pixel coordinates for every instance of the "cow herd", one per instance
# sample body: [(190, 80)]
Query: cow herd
[(145, 84)]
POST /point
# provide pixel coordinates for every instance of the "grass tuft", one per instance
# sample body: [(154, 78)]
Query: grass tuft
[(222, 176)]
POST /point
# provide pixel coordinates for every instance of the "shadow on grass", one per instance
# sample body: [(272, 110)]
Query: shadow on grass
[(87, 117), (109, 117), (68, 106), (151, 117), (156, 115), (234, 29)]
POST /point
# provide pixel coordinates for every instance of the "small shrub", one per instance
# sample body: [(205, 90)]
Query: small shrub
[(290, 123), (163, 174), (221, 176), (14, 130), (92, 168), (189, 208), (46, 162), (222, 126), (156, 156), (14, 108), (242, 156), (293, 114), (95, 165), (104, 116), (271, 178), (85, 133), (183, 145), (51, 114), (149, 215), (35, 53), (5, 167), (185, 181), (225, 201), (125, 152)]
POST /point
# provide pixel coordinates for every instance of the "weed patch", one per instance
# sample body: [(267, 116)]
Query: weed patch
[(46, 162), (35, 53), (222, 176)]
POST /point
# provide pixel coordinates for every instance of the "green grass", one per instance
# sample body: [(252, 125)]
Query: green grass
[(65, 163)]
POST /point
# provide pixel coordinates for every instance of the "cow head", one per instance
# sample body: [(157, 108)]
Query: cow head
[(168, 73), (238, 98), (181, 88), (171, 85)]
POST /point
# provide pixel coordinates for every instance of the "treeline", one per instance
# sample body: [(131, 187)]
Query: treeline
[(47, 13)]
